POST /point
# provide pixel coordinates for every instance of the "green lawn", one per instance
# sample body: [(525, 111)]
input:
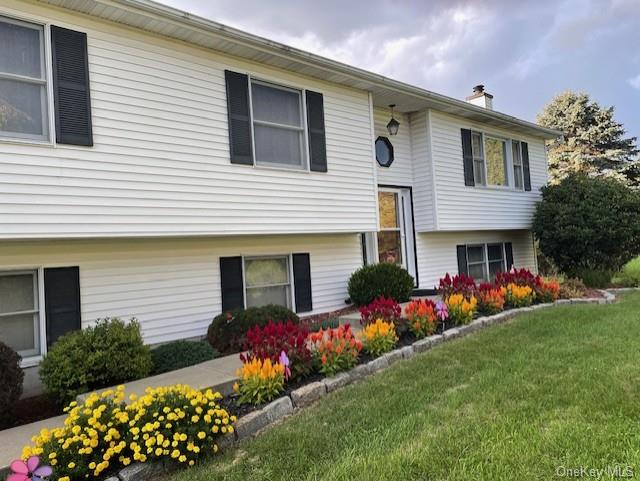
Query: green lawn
[(558, 387)]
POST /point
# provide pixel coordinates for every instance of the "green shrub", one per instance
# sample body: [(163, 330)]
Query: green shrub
[(375, 280), (227, 333), (570, 288), (586, 223), (629, 276), (595, 278), (109, 353), (11, 377), (178, 354)]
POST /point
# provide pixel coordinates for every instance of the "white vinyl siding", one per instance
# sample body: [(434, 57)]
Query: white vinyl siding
[(160, 161), (423, 193), (462, 208), (437, 251), (172, 286), (400, 173)]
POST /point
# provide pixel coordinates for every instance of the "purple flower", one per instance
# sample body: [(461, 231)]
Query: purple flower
[(29, 470), (284, 360), (442, 311)]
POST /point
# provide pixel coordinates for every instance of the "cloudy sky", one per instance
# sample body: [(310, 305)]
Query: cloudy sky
[(525, 52)]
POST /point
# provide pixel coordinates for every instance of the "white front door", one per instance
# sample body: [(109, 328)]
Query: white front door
[(394, 242)]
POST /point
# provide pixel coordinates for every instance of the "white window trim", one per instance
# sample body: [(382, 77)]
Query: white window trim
[(485, 261), (306, 164), (36, 359), (48, 66), (510, 172), (291, 295)]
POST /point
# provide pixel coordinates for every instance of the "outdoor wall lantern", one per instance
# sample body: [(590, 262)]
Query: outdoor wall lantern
[(393, 124)]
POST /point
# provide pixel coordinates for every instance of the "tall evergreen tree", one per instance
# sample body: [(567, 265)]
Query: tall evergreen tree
[(594, 142)]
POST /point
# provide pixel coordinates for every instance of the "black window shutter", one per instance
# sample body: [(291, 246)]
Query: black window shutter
[(239, 118), (462, 259), (317, 139), (467, 157), (231, 283), (525, 165), (71, 94), (508, 253), (302, 282), (62, 301)]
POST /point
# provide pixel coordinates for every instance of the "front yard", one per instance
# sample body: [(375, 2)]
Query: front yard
[(553, 390)]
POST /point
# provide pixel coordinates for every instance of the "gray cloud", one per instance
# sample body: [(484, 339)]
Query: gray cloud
[(524, 52)]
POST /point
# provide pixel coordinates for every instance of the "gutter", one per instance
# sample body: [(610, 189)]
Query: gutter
[(206, 26)]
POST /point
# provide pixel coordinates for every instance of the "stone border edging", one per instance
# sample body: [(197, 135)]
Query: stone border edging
[(251, 424)]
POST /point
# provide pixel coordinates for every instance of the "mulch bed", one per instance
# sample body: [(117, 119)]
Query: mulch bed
[(318, 319), (36, 408), (41, 407)]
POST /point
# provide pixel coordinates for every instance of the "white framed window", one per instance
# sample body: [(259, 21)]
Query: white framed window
[(477, 262), (24, 102), (518, 172), (21, 312), (477, 147), (278, 123), (484, 261), (267, 280), (490, 160)]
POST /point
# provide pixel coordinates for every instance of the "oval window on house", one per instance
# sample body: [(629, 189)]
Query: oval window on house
[(384, 151)]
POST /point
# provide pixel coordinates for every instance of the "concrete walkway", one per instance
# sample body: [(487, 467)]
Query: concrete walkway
[(219, 374)]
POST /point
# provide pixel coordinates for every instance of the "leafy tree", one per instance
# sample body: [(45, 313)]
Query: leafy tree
[(586, 223), (594, 142)]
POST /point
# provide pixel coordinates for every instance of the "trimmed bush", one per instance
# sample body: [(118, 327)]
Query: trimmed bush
[(586, 223), (178, 354), (228, 331), (380, 280), (11, 377), (629, 276), (108, 353)]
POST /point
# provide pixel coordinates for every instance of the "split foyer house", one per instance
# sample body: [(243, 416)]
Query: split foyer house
[(158, 165)]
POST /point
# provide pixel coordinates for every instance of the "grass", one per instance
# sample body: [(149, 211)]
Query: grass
[(557, 387), (629, 275)]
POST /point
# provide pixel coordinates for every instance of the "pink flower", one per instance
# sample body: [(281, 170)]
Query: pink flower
[(284, 360), (442, 310), (29, 471)]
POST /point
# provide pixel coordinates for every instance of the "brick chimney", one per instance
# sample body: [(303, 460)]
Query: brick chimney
[(480, 98)]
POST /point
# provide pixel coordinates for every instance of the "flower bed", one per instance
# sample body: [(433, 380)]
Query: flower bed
[(322, 360)]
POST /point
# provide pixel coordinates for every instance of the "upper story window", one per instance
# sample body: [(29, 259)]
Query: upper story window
[(278, 125), (518, 171), (489, 160), (23, 81)]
